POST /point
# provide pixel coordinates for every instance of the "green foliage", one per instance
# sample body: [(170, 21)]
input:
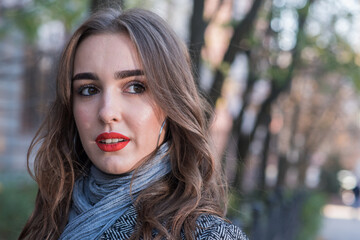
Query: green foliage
[(304, 11), (299, 210), (16, 204), (139, 3), (311, 216), (278, 75), (224, 68), (35, 13), (239, 209)]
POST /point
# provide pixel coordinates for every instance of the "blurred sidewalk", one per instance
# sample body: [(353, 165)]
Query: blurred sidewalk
[(340, 223)]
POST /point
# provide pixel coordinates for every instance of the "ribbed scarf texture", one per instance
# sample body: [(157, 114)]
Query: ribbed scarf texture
[(99, 199)]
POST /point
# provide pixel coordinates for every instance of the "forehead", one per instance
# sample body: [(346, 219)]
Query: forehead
[(108, 50)]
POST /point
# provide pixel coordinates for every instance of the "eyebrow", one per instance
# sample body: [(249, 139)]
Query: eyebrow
[(128, 73), (85, 75), (117, 75)]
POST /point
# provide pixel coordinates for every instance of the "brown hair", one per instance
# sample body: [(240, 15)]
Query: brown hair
[(195, 184)]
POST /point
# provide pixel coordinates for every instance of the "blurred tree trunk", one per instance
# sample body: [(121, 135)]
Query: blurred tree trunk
[(242, 138), (276, 90), (197, 33), (293, 132), (241, 32), (304, 161), (30, 114), (282, 169), (264, 157), (318, 132), (244, 142)]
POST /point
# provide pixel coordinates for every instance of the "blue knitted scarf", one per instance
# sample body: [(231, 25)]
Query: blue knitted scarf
[(99, 199)]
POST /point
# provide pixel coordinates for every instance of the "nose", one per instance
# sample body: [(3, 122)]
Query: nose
[(109, 110)]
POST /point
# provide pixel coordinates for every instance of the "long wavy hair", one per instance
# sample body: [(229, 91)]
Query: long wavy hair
[(195, 185)]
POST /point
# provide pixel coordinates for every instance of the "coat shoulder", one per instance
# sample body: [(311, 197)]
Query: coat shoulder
[(213, 227)]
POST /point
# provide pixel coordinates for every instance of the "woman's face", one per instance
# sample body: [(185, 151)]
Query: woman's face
[(117, 119)]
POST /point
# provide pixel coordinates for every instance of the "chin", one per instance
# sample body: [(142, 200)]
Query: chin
[(113, 167)]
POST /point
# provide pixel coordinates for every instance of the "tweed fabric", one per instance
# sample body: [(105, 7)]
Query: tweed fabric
[(209, 228)]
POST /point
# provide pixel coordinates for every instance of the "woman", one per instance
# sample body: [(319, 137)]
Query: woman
[(124, 150)]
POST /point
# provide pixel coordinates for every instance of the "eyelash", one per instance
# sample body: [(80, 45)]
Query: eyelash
[(135, 83)]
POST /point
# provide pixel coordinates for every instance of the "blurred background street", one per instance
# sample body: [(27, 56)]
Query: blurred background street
[(340, 222), (283, 77)]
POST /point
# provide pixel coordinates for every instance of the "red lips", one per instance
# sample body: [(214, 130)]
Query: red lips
[(112, 142)]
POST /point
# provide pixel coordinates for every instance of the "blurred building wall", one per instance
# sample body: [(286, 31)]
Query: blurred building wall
[(13, 143)]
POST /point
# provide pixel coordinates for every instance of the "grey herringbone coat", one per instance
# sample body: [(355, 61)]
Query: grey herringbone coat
[(209, 227)]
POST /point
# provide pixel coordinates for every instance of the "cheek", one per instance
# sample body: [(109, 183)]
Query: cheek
[(147, 122), (83, 117)]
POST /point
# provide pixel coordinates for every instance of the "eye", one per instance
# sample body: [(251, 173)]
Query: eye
[(88, 90), (135, 88)]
